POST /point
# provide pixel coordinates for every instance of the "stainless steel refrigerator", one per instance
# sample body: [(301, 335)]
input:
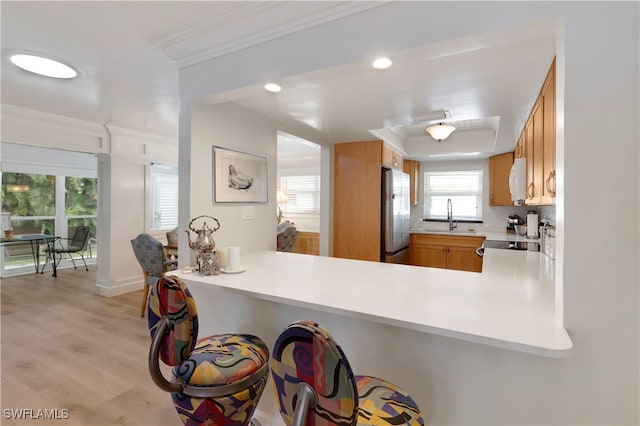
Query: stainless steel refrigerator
[(395, 219)]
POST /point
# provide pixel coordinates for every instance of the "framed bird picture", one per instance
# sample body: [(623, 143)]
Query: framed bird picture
[(239, 177)]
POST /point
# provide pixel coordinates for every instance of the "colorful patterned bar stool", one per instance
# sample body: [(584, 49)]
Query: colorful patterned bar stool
[(314, 384), (217, 380)]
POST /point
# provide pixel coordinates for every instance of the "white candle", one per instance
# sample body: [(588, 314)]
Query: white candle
[(222, 257), (233, 258)]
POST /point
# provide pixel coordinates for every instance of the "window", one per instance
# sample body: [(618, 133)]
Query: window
[(30, 201), (164, 196), (303, 193), (462, 187)]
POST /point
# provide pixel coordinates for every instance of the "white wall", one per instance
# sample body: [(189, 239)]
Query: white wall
[(458, 382), (230, 126)]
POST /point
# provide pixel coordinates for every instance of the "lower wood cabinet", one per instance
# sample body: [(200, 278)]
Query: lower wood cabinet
[(307, 243), (448, 252)]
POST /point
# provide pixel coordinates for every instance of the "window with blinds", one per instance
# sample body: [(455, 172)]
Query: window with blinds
[(164, 196), (303, 193), (462, 187)]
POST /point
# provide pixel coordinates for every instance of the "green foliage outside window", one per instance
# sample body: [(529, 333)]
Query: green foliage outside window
[(36, 195)]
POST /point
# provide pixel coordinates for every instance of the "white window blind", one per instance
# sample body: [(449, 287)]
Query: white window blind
[(164, 196), (462, 187), (303, 193)]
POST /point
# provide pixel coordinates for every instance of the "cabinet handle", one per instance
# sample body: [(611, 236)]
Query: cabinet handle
[(547, 183), (530, 190)]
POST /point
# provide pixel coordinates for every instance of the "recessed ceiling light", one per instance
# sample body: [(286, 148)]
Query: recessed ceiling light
[(43, 66), (272, 87), (382, 63)]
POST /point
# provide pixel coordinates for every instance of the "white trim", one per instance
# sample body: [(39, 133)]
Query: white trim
[(122, 286), (29, 127), (179, 46)]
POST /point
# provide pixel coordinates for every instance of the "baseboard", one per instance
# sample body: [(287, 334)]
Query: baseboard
[(107, 289)]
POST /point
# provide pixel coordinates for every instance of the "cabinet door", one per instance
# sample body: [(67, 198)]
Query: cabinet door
[(499, 170), (429, 255), (520, 152), (463, 259), (549, 143), (391, 158), (357, 200), (533, 148)]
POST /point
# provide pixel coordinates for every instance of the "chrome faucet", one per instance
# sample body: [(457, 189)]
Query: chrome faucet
[(452, 225)]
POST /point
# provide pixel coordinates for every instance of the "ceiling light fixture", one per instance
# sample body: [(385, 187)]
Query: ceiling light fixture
[(382, 63), (272, 87), (43, 66), (440, 131)]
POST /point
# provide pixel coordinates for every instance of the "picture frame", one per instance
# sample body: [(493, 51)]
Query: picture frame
[(239, 177)]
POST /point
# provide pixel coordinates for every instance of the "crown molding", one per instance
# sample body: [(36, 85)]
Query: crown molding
[(226, 33), (12, 113)]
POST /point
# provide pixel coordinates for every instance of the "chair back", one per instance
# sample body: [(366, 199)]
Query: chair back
[(286, 237), (305, 352), (171, 298), (172, 238), (150, 254), (80, 237)]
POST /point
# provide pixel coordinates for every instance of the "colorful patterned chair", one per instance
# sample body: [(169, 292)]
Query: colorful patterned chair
[(314, 384), (217, 380), (153, 259)]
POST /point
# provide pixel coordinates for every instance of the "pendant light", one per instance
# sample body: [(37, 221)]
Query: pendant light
[(440, 131)]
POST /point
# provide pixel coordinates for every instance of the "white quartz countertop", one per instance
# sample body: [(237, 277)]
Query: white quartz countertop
[(509, 305)]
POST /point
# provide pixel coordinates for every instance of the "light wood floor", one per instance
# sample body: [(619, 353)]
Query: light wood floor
[(63, 347)]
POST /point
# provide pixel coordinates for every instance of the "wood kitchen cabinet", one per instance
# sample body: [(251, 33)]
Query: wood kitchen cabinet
[(499, 170), (356, 199), (391, 158), (549, 138), (412, 168), (448, 252), (307, 243), (538, 142)]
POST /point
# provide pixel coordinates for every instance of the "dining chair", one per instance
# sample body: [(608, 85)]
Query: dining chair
[(216, 380), (153, 259), (314, 384), (74, 245)]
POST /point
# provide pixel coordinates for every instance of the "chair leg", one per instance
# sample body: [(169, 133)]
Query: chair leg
[(83, 261), (144, 300), (145, 296)]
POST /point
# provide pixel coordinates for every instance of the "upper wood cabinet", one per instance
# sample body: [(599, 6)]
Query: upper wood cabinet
[(499, 170), (549, 137), (538, 144), (412, 168), (391, 158)]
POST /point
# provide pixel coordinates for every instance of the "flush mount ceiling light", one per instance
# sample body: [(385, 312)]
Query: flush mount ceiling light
[(440, 131), (382, 63), (272, 87), (43, 66)]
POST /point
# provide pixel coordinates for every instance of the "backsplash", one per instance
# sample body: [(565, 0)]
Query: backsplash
[(494, 218)]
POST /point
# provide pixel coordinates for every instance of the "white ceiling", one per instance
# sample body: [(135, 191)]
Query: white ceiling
[(130, 52)]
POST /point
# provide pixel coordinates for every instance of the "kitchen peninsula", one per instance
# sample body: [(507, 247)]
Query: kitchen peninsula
[(510, 305)]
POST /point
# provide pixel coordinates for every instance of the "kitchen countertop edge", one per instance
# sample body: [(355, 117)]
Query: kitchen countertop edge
[(486, 308)]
